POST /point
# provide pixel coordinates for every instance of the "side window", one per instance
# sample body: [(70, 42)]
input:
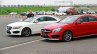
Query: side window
[(41, 19), (92, 19), (84, 19), (50, 19)]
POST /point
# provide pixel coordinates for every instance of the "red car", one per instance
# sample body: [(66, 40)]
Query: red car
[(71, 27)]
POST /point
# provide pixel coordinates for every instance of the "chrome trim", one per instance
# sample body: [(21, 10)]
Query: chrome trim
[(44, 30)]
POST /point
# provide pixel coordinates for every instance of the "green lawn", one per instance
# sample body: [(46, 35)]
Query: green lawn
[(7, 10)]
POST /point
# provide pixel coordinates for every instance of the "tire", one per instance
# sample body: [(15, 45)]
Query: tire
[(26, 32), (67, 36)]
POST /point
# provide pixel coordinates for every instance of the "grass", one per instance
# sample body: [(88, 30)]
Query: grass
[(7, 10)]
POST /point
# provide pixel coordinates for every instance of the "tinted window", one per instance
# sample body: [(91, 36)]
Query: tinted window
[(92, 19), (41, 19), (84, 19), (50, 19)]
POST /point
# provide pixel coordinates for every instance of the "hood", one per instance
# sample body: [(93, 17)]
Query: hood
[(18, 24), (54, 26)]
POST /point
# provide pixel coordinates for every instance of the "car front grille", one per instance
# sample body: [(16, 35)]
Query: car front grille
[(9, 27), (45, 31)]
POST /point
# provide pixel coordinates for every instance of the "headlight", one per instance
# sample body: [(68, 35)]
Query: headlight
[(17, 27), (57, 30)]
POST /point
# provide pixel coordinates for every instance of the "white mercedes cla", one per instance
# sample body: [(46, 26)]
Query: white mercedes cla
[(30, 25)]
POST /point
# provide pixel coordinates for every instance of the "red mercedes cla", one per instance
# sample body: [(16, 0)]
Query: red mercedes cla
[(71, 27)]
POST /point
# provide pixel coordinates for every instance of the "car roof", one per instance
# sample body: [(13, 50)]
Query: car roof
[(37, 16), (44, 16)]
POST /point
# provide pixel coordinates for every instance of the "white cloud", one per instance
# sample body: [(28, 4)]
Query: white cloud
[(42, 2), (85, 1)]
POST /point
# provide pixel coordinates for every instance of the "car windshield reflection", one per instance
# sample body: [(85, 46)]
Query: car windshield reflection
[(30, 19), (68, 19)]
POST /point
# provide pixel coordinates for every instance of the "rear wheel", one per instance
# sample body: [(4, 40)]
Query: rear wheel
[(67, 36), (26, 32)]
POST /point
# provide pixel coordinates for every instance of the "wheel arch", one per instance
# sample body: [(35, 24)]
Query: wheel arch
[(27, 27), (70, 31)]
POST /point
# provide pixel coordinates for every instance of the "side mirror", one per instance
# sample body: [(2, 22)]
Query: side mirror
[(35, 21)]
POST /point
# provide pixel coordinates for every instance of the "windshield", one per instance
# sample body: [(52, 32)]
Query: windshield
[(29, 19), (68, 19)]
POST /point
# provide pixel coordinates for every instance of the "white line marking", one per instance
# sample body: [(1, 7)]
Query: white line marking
[(20, 44)]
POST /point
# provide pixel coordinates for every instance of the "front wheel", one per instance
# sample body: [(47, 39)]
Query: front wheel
[(26, 32), (67, 36)]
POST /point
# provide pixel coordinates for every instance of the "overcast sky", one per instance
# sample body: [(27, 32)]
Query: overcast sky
[(46, 2)]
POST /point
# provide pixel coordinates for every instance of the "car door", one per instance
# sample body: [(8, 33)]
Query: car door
[(38, 24), (83, 27), (41, 22), (93, 25)]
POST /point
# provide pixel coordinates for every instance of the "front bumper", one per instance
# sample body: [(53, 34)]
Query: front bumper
[(13, 32), (52, 36)]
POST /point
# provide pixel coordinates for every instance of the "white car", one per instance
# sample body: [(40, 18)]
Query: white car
[(30, 25)]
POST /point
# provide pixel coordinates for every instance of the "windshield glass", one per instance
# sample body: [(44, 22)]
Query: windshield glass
[(30, 19), (68, 19)]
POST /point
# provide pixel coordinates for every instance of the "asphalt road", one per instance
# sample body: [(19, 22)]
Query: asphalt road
[(37, 45), (78, 46)]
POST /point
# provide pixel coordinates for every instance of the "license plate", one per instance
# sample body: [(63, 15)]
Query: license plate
[(44, 34)]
